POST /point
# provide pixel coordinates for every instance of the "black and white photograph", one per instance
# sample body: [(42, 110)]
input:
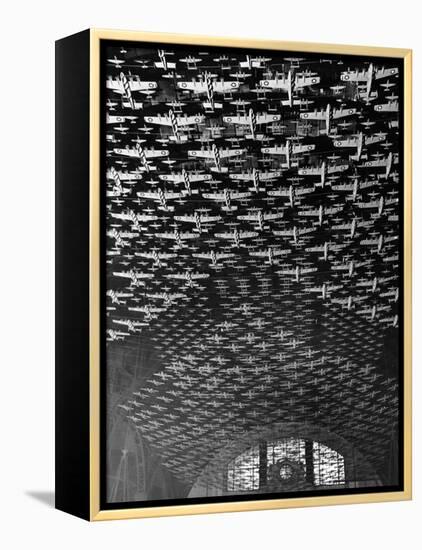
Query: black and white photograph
[(253, 271), (210, 284)]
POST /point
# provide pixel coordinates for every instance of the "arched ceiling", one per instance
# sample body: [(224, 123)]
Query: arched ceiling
[(266, 289)]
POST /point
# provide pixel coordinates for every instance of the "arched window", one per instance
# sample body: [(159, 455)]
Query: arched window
[(287, 461)]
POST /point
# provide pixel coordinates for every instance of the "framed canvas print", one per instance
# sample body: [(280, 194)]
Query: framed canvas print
[(233, 274)]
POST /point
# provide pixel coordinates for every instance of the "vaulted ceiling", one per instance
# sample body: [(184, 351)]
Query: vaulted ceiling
[(252, 259)]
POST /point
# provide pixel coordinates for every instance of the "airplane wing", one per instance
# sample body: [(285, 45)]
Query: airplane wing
[(309, 213), (313, 289), (177, 178), (126, 152), (115, 85), (306, 230), (346, 142), (333, 209), (225, 86), (243, 177), (122, 274), (184, 235), (152, 153), (311, 171), (173, 195), (135, 85), (314, 248), (259, 253), (163, 120), (186, 218), (189, 120), (205, 255), (345, 226), (166, 235), (149, 153), (226, 153), (248, 217), (206, 218), (239, 195), (342, 113), (146, 217), (273, 216), (279, 193), (303, 190), (314, 115), (278, 83), (198, 87), (337, 168), (148, 195), (247, 234), (200, 275), (139, 86), (377, 162), (225, 235), (266, 118), (383, 73), (279, 252), (144, 275), (240, 119), (120, 216), (202, 153), (276, 150), (369, 140), (270, 175), (214, 196), (370, 204), (369, 241), (303, 148), (303, 80), (354, 76)]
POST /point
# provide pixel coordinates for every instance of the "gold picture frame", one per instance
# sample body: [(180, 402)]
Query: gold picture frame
[(95, 511)]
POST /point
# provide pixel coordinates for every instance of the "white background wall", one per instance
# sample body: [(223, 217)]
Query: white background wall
[(28, 31)]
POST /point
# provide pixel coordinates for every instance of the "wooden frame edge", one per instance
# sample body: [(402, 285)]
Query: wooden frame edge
[(96, 514), (94, 276)]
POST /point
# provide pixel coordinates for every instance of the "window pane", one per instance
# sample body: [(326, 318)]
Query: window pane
[(328, 465)]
